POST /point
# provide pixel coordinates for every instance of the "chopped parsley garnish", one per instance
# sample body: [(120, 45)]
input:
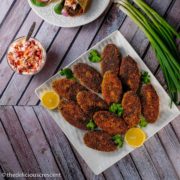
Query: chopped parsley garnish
[(94, 56), (59, 7), (67, 72), (116, 108), (37, 3), (91, 125), (118, 140), (143, 122), (145, 77)]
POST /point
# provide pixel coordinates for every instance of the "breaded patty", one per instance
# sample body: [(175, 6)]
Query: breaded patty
[(111, 87), (88, 76), (132, 108), (130, 74), (100, 141), (67, 88), (73, 114), (149, 102), (111, 59), (110, 123), (90, 102)]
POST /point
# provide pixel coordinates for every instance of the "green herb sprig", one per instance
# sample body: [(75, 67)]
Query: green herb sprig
[(143, 122), (145, 77), (116, 108), (67, 72), (91, 125), (118, 140), (94, 56)]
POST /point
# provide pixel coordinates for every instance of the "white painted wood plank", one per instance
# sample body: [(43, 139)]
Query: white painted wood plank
[(5, 6), (8, 160), (59, 145), (18, 140), (37, 140)]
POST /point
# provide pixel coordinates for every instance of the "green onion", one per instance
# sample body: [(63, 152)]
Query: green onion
[(94, 56), (116, 108), (67, 72), (161, 36), (91, 125), (118, 140)]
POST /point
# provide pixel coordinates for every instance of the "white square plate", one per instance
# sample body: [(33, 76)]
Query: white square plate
[(99, 161)]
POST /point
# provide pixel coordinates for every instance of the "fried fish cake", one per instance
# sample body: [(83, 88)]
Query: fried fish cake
[(100, 141), (67, 88), (88, 76), (111, 87), (132, 108), (130, 74), (150, 103), (111, 59), (90, 102), (73, 114), (110, 123)]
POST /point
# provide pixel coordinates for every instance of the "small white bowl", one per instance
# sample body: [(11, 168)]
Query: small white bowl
[(44, 56)]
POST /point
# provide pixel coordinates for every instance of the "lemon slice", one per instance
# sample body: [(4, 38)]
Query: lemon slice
[(50, 100), (135, 137)]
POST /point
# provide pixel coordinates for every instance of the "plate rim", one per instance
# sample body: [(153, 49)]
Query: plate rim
[(67, 26)]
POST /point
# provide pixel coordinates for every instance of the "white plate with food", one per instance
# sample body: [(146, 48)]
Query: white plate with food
[(69, 13), (110, 102)]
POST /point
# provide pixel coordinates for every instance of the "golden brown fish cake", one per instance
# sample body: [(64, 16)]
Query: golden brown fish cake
[(111, 59), (110, 123), (149, 102), (67, 88), (111, 87), (90, 102), (73, 114), (88, 76), (132, 108), (130, 74), (99, 140)]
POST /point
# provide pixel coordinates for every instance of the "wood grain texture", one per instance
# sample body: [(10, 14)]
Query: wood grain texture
[(128, 168), (176, 126), (19, 11), (1, 176), (6, 9), (18, 140), (85, 169), (160, 159), (37, 140), (144, 164), (60, 146), (171, 144), (113, 173), (8, 159)]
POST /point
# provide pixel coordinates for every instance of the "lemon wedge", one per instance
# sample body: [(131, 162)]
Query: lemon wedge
[(50, 100), (135, 137)]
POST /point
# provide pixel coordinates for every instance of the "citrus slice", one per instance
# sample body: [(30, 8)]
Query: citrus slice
[(135, 137), (50, 100)]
